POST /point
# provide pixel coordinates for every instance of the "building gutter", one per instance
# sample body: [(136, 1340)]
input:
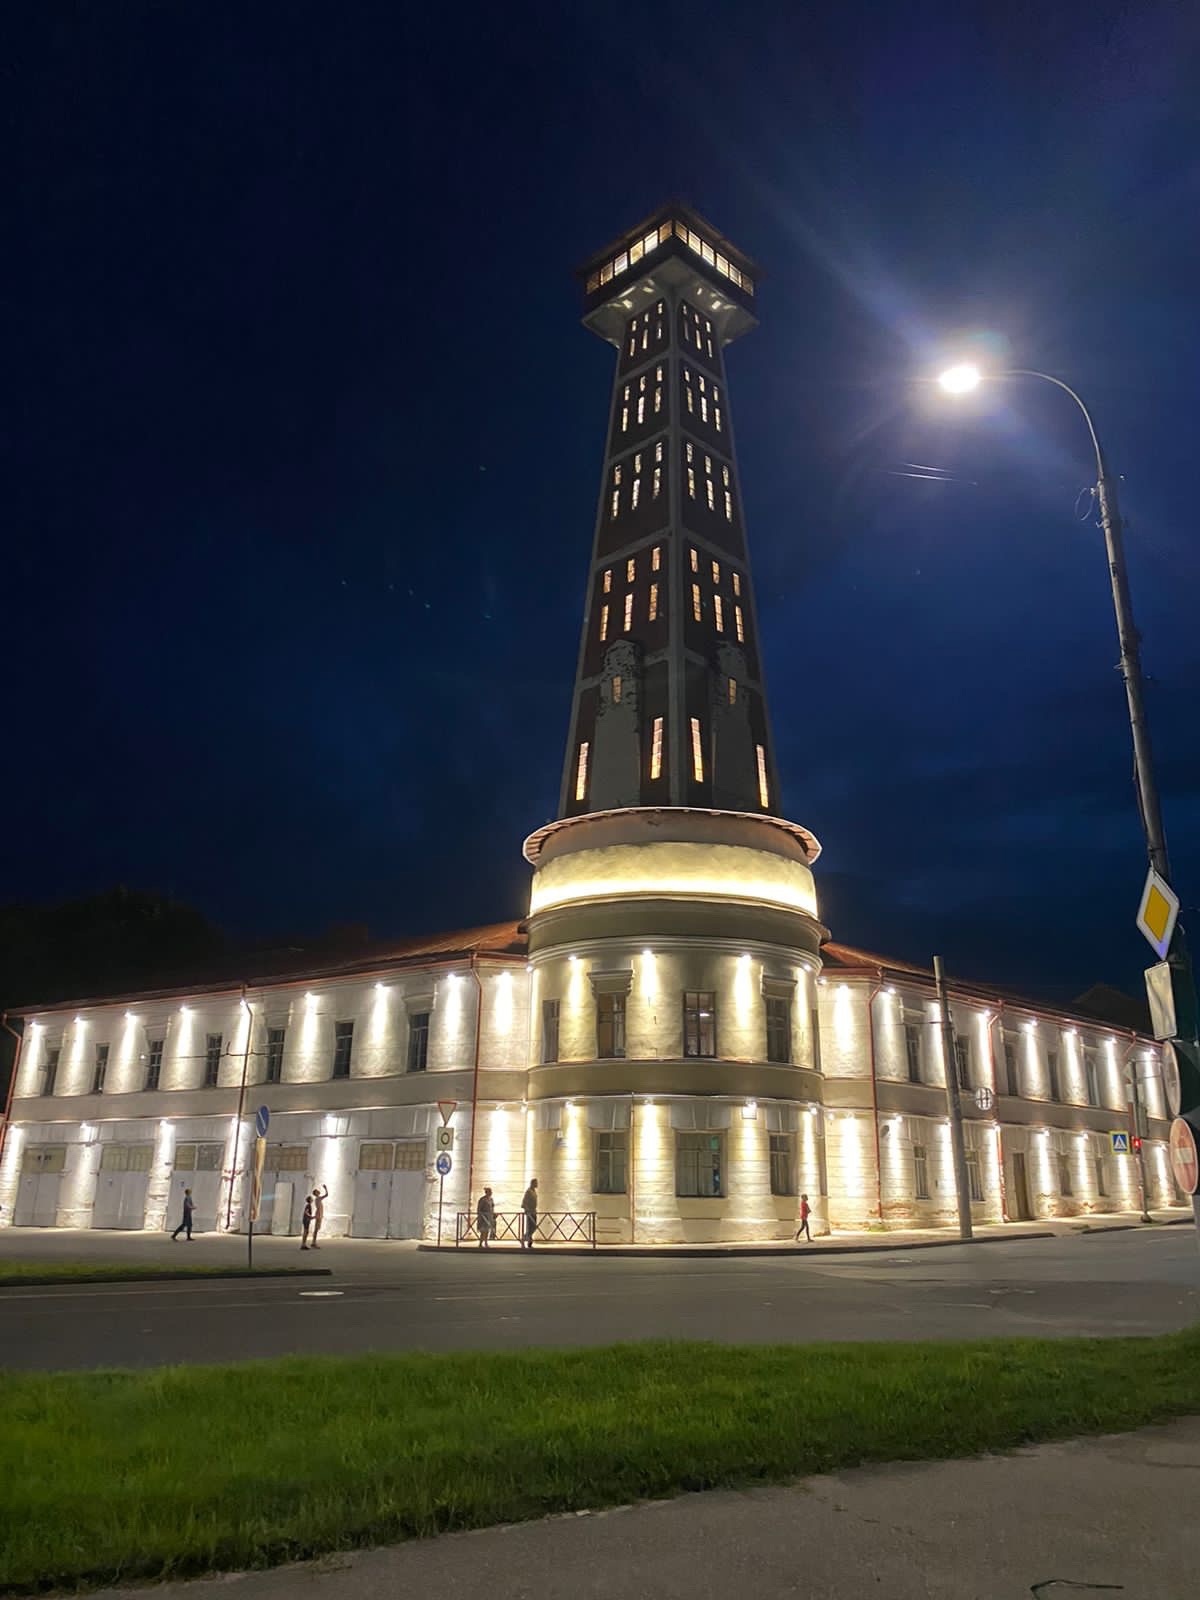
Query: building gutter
[(474, 970), (6, 1121), (871, 999), (237, 1137)]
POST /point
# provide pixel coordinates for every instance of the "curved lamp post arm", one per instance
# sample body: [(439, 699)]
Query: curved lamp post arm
[(1028, 372)]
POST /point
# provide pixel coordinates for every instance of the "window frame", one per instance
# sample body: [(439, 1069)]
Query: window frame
[(920, 1159), (610, 1025), (100, 1065), (418, 1042), (781, 1154), (705, 1023), (551, 1022), (212, 1059), (156, 1048), (343, 1047), (777, 1011), (273, 1057), (610, 1161), (710, 1145), (1053, 1077), (913, 1052)]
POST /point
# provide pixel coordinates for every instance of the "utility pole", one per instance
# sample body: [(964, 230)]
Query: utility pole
[(1135, 1112), (958, 1144)]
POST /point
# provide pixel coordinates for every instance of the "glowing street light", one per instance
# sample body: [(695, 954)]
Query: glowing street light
[(961, 379)]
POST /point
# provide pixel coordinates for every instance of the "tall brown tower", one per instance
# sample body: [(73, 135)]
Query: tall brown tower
[(669, 708)]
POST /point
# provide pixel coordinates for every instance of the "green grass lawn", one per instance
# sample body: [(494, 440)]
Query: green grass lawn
[(120, 1475), (15, 1273)]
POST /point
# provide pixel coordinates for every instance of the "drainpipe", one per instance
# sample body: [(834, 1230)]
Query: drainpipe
[(998, 1018), (632, 1169), (237, 1141), (6, 1121), (474, 969), (874, 995)]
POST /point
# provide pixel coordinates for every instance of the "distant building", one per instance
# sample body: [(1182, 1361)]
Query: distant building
[(670, 1040)]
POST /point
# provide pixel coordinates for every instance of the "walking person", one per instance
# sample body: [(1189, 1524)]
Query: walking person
[(805, 1213), (529, 1221), (306, 1221), (319, 1197), (186, 1220), (485, 1219)]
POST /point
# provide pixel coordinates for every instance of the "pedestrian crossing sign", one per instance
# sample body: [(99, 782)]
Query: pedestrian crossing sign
[(1120, 1143)]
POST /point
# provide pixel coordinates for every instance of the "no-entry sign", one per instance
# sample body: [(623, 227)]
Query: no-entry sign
[(1185, 1161)]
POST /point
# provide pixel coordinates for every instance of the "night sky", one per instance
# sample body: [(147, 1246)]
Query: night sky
[(304, 437)]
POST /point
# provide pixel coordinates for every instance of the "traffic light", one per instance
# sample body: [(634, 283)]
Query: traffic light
[(1137, 1144)]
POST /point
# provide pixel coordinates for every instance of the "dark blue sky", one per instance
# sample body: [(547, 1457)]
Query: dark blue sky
[(304, 439)]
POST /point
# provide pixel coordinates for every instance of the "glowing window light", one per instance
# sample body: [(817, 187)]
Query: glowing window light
[(641, 408), (739, 624), (628, 611), (630, 569), (653, 602), (691, 483), (696, 612), (616, 690), (719, 613), (615, 506), (635, 494), (658, 451), (693, 553), (656, 744), (728, 506), (657, 482), (608, 580), (716, 572), (603, 623), (737, 584), (582, 772), (732, 691), (656, 558), (697, 752), (710, 495), (761, 758)]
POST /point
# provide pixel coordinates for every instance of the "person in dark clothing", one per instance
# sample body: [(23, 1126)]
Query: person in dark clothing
[(485, 1219), (529, 1220), (306, 1220), (805, 1213), (186, 1220)]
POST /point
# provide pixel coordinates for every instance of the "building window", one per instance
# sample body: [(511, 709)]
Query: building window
[(418, 1041), (761, 757), (912, 1050), (608, 580), (697, 752), (581, 772), (610, 1026), (1052, 1078), (710, 493), (631, 569), (697, 612), (737, 584), (603, 623), (1012, 1072), (656, 558), (1065, 1186), (698, 1166), (783, 1166), (154, 1064), (212, 1059), (53, 1057), (616, 690), (962, 1062), (610, 1164), (657, 482), (691, 482), (974, 1175), (653, 602), (728, 506), (700, 1023), (740, 625), (1101, 1177), (550, 1013), (1091, 1073), (731, 691), (343, 1047), (719, 613), (920, 1172), (779, 1032), (275, 1038), (656, 744), (695, 559), (629, 611), (615, 505), (100, 1070)]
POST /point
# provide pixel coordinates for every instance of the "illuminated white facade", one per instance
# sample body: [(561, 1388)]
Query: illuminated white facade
[(669, 1042)]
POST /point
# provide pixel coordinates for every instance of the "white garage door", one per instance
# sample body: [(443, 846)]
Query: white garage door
[(198, 1168), (42, 1167), (121, 1185), (389, 1189)]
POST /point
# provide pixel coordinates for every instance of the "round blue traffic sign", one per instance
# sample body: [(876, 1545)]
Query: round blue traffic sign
[(261, 1119), (443, 1163)]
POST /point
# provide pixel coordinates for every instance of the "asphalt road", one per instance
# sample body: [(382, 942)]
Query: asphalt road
[(388, 1298)]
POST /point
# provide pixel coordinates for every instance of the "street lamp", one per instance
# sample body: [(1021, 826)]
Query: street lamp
[(960, 379)]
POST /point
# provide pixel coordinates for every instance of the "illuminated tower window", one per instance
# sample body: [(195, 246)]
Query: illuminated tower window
[(725, 476), (581, 772), (737, 584), (624, 419), (739, 625), (708, 484), (641, 408), (655, 558), (658, 451), (733, 691), (695, 559), (635, 494), (656, 741), (628, 612), (603, 623), (763, 797), (616, 690), (653, 602), (658, 483), (716, 571), (728, 506), (607, 580), (697, 752), (615, 507), (630, 569), (696, 612), (691, 472), (719, 613)]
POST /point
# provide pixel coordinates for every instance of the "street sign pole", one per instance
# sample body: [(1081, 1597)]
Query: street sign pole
[(444, 1164), (953, 1104), (262, 1121)]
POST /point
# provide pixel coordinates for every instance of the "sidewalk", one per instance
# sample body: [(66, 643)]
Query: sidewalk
[(846, 1242), (1099, 1517)]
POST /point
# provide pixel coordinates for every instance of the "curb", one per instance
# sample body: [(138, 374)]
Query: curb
[(710, 1252), (50, 1280)]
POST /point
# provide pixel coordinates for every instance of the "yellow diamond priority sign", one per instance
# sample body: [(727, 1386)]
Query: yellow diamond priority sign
[(1157, 912)]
